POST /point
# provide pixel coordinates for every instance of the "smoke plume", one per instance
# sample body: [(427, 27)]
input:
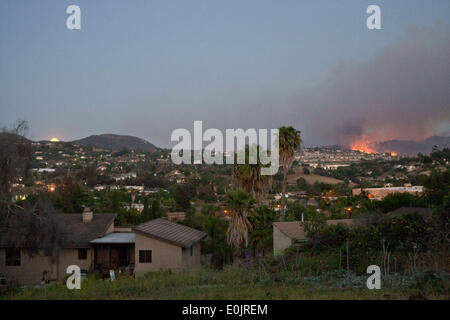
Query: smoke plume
[(402, 93)]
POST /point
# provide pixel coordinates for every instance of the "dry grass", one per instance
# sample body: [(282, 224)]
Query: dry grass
[(310, 178)]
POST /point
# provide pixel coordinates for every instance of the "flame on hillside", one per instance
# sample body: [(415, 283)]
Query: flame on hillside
[(363, 144), (368, 144)]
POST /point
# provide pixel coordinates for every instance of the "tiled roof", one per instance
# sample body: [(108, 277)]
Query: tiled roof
[(163, 229)]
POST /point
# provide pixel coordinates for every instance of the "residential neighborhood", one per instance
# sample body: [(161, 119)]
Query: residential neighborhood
[(233, 157)]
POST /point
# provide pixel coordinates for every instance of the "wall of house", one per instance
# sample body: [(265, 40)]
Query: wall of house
[(280, 241), (193, 261), (69, 257), (32, 268), (29, 272), (164, 255)]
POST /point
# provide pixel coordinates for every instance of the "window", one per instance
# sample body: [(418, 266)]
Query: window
[(145, 256), (192, 251), (12, 257), (82, 254)]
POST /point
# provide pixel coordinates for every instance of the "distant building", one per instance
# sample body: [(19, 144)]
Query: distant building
[(287, 233), (380, 193), (312, 203), (334, 166), (139, 207), (176, 216), (121, 177), (48, 170), (135, 188)]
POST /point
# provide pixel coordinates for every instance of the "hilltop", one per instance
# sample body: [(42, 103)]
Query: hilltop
[(115, 142)]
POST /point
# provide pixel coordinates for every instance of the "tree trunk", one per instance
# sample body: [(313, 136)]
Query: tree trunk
[(253, 250), (283, 196), (348, 264), (242, 253)]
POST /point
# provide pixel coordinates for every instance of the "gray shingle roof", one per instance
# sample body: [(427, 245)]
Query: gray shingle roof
[(79, 233), (163, 229), (74, 232), (292, 229)]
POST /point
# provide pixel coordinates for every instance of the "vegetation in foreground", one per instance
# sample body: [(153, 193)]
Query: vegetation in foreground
[(270, 278)]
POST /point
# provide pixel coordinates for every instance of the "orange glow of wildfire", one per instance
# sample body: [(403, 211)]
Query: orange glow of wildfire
[(367, 143), (362, 145)]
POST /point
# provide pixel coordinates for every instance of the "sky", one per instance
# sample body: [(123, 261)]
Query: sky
[(145, 68)]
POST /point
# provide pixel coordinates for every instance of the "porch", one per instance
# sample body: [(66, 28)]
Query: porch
[(115, 251)]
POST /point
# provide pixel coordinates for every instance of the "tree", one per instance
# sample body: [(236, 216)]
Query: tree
[(153, 212), (216, 242), (15, 163), (70, 196), (261, 237), (289, 141), (26, 224), (437, 187), (183, 194), (157, 212), (240, 204), (248, 176)]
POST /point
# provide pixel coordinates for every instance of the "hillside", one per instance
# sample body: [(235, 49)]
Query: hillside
[(412, 148), (115, 142), (405, 147)]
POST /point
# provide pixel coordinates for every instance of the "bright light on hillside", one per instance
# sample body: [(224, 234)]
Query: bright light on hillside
[(54, 140)]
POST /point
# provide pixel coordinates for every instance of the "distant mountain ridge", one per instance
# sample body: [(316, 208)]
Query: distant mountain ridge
[(413, 147), (115, 142), (405, 147)]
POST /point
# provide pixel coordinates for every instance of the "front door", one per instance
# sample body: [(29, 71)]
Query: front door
[(119, 256)]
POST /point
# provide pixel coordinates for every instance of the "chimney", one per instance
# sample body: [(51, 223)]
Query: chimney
[(87, 215)]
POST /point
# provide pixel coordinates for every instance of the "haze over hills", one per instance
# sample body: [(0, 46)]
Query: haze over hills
[(124, 142), (405, 147), (413, 147), (115, 142)]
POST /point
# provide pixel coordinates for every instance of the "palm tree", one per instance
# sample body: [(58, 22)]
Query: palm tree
[(289, 141), (248, 176), (261, 237), (240, 204)]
